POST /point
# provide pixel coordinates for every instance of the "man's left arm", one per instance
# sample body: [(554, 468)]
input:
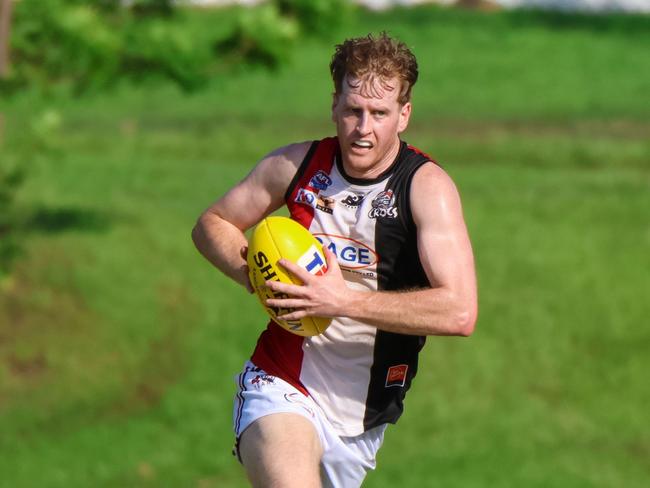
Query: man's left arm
[(448, 307)]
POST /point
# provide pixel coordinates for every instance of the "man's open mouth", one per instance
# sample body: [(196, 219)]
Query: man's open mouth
[(363, 144)]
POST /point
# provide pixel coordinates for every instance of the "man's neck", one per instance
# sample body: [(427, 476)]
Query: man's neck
[(378, 168)]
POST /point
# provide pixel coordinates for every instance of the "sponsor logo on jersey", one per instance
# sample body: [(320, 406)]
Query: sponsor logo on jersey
[(313, 262), (396, 375), (312, 199), (383, 205), (353, 201), (371, 275), (350, 253), (326, 204), (320, 180)]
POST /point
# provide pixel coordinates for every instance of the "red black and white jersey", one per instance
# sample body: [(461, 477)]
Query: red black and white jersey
[(358, 374)]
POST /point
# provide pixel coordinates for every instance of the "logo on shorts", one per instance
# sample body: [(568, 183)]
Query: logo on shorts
[(312, 199), (396, 375), (320, 180), (297, 398), (353, 201), (383, 205), (262, 380)]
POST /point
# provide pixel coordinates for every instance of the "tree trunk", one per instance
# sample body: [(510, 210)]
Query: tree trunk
[(478, 4), (5, 28)]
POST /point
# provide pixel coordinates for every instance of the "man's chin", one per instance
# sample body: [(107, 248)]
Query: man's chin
[(359, 154)]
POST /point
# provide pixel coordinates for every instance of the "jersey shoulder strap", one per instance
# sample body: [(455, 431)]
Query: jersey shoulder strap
[(319, 156)]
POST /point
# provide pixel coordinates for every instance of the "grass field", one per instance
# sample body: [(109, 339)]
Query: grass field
[(118, 342)]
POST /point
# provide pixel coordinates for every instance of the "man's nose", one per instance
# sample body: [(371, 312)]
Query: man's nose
[(363, 123)]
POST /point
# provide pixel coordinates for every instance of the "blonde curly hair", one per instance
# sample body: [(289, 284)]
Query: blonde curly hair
[(369, 57)]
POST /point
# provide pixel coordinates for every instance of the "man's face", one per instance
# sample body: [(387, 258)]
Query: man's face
[(368, 120)]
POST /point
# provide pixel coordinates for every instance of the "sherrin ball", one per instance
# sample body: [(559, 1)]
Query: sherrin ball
[(275, 238)]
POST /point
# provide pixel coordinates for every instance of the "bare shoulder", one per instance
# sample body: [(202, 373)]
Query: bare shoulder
[(431, 176), (275, 171), (262, 191), (291, 153), (284, 161), (434, 193)]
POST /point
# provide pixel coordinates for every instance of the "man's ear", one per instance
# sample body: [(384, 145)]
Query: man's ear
[(404, 116)]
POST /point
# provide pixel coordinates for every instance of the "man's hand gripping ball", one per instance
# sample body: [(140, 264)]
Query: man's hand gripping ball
[(280, 238)]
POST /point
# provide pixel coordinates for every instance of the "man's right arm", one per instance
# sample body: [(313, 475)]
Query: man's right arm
[(219, 231)]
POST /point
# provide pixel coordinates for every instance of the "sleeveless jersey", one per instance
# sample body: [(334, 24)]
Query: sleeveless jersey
[(356, 373)]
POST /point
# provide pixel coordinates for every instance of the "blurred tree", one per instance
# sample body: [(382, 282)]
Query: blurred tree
[(11, 176), (90, 44), (266, 34), (143, 8), (82, 45), (316, 17), (152, 7), (486, 5), (262, 36), (5, 29)]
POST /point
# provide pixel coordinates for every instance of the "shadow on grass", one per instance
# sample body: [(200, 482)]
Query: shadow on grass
[(45, 220), (60, 219), (618, 22), (487, 17)]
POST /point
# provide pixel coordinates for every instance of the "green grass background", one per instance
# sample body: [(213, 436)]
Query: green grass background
[(118, 343)]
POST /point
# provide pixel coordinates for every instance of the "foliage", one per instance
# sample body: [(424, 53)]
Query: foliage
[(163, 8), (38, 142), (63, 42), (267, 35), (84, 45), (317, 17), (143, 8), (262, 36), (156, 47), (11, 177)]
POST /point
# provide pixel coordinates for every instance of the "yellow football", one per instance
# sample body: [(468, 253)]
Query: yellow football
[(275, 238)]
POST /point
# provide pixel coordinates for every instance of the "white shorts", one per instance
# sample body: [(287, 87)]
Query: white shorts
[(345, 461)]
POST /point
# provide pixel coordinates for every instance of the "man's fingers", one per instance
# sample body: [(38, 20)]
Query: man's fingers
[(286, 288), (286, 303), (300, 273), (330, 257), (295, 315)]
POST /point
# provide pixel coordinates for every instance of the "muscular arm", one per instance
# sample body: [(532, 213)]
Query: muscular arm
[(449, 307), (219, 231)]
